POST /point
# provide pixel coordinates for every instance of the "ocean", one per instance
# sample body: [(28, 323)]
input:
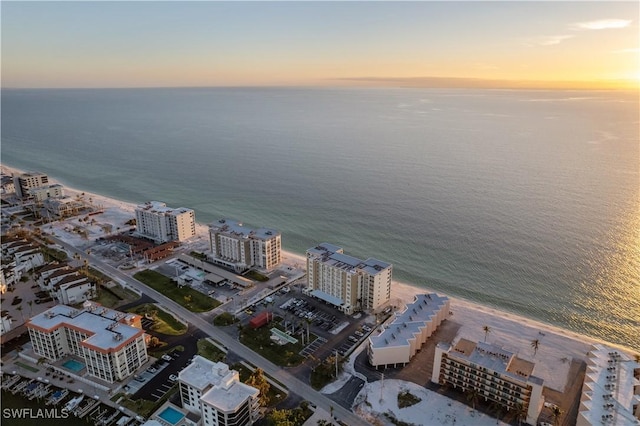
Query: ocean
[(527, 201)]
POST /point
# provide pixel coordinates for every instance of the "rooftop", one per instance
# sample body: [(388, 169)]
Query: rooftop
[(409, 322), (221, 386), (334, 256), (158, 207), (608, 392), (237, 229), (494, 358)]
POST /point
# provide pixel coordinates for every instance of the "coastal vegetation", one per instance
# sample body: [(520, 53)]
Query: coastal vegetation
[(407, 399), (325, 371), (290, 417), (259, 340), (255, 275), (163, 322), (225, 319), (210, 351), (185, 296)]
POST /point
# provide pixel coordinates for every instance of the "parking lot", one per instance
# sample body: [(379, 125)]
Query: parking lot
[(335, 331), (144, 378)]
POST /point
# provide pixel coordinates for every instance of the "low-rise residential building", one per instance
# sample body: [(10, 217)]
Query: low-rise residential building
[(237, 247), (215, 392), (46, 192), (156, 221), (111, 343), (63, 206), (348, 283), (611, 389), (404, 336), (495, 374)]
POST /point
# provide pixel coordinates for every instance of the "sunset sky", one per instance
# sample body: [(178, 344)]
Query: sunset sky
[(152, 44)]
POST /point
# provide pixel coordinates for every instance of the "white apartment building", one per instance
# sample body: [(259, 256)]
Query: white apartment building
[(162, 224), (215, 392), (611, 389), (5, 324), (46, 192), (495, 373), (111, 343), (404, 336), (235, 246), (26, 181), (349, 283)]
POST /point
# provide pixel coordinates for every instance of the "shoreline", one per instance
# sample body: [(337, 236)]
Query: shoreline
[(400, 291)]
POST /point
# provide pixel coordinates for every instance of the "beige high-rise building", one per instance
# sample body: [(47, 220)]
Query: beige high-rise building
[(496, 374), (160, 223), (349, 283), (235, 246), (26, 181)]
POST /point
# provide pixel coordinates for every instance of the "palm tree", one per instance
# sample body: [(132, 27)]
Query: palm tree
[(556, 412), (520, 412), (487, 330), (535, 344), (472, 397)]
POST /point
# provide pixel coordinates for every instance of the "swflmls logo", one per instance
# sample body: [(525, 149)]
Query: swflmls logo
[(34, 413)]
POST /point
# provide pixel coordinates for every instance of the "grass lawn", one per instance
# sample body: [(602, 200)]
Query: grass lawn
[(259, 341), (186, 296), (164, 322), (253, 274), (210, 351), (224, 319)]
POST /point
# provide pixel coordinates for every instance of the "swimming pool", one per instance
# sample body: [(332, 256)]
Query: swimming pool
[(171, 415), (73, 365)]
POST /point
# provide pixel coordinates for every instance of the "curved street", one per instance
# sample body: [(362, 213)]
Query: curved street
[(289, 381)]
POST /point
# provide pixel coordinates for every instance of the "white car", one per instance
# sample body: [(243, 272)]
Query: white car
[(173, 377), (167, 357)]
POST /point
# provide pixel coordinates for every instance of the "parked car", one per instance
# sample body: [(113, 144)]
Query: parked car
[(358, 333), (353, 338), (167, 357), (139, 379), (151, 370), (173, 377)]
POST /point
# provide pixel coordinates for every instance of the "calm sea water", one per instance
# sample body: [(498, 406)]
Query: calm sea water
[(523, 200)]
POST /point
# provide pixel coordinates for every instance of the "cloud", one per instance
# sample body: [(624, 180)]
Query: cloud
[(601, 24), (630, 50), (547, 40)]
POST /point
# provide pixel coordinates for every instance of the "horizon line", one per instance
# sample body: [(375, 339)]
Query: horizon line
[(400, 82)]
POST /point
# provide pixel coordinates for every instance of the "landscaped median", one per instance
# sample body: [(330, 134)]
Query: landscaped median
[(186, 296)]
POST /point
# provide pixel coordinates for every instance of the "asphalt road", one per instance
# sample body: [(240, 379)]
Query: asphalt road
[(292, 383)]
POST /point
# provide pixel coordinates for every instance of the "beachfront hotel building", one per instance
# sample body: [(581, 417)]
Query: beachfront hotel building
[(399, 341), (24, 182), (156, 221), (240, 248), (496, 374), (215, 392), (611, 389), (111, 343), (348, 283)]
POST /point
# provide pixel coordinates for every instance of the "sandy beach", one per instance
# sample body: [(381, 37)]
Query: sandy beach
[(515, 333)]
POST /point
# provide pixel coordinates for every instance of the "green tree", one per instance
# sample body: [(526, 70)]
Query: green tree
[(280, 418), (556, 413), (473, 396), (258, 381)]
